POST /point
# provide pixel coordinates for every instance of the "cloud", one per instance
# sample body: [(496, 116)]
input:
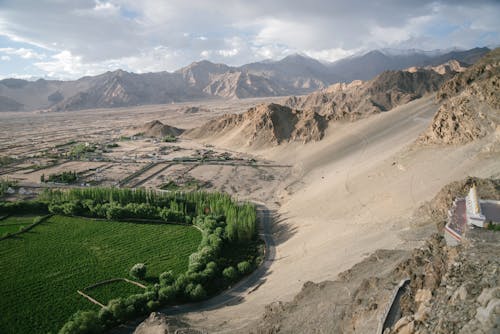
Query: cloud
[(85, 36), (22, 52)]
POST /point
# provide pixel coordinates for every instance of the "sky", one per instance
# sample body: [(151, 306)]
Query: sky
[(67, 39)]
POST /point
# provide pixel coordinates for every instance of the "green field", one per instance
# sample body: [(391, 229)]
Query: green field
[(14, 223), (42, 269), (104, 293)]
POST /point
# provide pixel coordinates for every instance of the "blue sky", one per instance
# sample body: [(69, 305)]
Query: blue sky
[(68, 39)]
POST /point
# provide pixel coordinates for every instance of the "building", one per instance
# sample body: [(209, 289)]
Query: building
[(470, 212)]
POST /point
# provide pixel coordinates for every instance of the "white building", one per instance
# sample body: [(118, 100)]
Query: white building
[(470, 212)]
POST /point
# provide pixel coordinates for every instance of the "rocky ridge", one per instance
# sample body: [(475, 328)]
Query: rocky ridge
[(266, 124), (358, 99), (470, 104)]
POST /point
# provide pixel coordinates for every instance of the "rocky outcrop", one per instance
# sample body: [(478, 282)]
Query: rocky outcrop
[(358, 99), (266, 124), (453, 290), (470, 105)]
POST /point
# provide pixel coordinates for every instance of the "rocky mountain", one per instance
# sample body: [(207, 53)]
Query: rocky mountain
[(305, 118), (470, 104), (292, 75), (264, 125), (367, 66), (359, 98)]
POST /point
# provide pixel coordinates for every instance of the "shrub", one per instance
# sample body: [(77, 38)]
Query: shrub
[(83, 322), (230, 273), (138, 271), (197, 293), (106, 317), (153, 305), (244, 267), (167, 278), (118, 308), (167, 294)]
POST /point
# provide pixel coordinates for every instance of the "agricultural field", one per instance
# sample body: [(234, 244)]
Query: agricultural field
[(43, 268), (15, 223)]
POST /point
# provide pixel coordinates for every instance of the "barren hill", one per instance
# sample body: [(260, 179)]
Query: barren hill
[(386, 91), (470, 104), (263, 125), (158, 129)]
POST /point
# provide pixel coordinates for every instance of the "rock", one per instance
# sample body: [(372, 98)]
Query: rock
[(401, 323), (459, 295), (156, 323), (487, 295), (423, 295), (492, 311), (408, 328), (422, 312)]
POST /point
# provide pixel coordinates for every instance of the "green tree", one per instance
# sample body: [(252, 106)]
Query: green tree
[(138, 270), (230, 273)]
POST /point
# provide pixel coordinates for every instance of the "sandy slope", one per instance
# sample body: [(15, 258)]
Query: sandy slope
[(354, 192)]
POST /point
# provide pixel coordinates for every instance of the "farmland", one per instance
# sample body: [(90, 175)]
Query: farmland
[(14, 224), (43, 268)]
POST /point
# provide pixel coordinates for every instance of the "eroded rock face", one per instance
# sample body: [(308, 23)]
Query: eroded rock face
[(471, 104)]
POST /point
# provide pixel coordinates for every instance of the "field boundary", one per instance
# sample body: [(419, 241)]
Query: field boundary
[(134, 220), (27, 228), (101, 283), (112, 280)]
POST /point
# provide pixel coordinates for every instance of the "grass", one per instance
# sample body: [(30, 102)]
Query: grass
[(104, 293), (14, 223), (43, 268)]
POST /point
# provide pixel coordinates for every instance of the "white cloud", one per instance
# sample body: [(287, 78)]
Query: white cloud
[(5, 58), (23, 53), (330, 54), (228, 52)]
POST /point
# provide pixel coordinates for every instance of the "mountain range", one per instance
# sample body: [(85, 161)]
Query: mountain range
[(305, 118), (293, 75)]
